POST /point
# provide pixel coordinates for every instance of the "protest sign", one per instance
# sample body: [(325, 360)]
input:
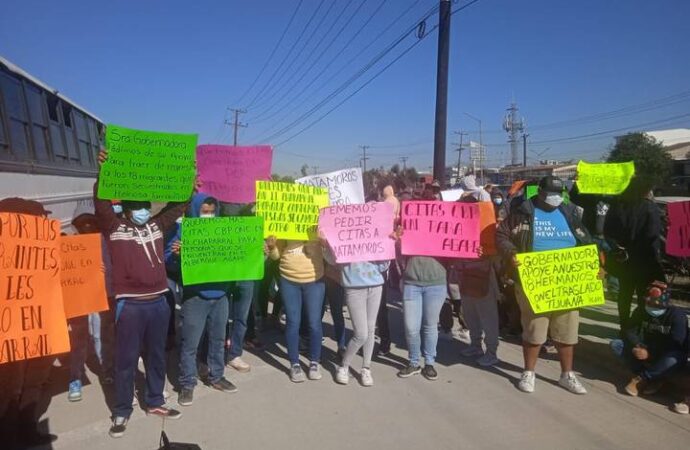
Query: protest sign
[(678, 233), (604, 178), (531, 190), (290, 211), (487, 227), (554, 280), (344, 186), (358, 233), (222, 249), (229, 173), (81, 275), (451, 195), (32, 316), (147, 165), (440, 229)]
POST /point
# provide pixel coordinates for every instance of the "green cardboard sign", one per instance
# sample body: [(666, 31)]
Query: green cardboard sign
[(222, 249), (147, 165), (604, 178)]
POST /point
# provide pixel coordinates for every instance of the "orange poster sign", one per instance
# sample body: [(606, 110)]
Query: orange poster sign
[(487, 227), (32, 317), (82, 277)]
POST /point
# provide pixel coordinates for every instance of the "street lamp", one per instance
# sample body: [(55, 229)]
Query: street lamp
[(481, 146)]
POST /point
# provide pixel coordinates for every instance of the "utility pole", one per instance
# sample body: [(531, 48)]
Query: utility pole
[(459, 150), (440, 128), (513, 126), (404, 159), (236, 124), (524, 149), (364, 157)]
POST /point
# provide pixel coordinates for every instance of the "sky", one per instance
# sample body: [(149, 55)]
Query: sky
[(177, 66)]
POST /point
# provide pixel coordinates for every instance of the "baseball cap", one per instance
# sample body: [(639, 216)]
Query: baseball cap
[(551, 184), (23, 206)]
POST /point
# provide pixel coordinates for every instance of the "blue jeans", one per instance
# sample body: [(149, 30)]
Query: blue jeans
[(242, 296), (199, 314), (336, 300), (311, 297), (659, 367), (421, 308)]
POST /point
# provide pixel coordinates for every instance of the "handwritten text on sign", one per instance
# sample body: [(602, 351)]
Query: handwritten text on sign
[(359, 232), (222, 249), (440, 229), (81, 275), (561, 279), (678, 237), (345, 187), (147, 165), (32, 316), (290, 211), (604, 178), (229, 173)]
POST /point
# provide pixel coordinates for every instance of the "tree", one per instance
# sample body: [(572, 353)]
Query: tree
[(651, 159), (395, 170), (304, 170)]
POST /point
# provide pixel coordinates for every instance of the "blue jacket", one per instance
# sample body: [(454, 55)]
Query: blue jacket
[(172, 261)]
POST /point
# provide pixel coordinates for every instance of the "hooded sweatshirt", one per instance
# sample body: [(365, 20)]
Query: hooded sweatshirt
[(136, 251), (206, 291)]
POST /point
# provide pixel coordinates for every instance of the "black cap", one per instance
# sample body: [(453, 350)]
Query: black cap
[(135, 204), (23, 206), (551, 184)]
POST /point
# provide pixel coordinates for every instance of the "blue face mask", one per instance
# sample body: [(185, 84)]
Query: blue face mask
[(498, 200), (141, 216), (117, 208), (655, 312)]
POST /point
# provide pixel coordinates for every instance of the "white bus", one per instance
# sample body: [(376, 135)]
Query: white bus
[(48, 144)]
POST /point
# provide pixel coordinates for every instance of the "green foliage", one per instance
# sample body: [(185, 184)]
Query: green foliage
[(651, 159)]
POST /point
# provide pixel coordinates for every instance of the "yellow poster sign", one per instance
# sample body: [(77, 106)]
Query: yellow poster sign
[(290, 211), (604, 178), (554, 280)]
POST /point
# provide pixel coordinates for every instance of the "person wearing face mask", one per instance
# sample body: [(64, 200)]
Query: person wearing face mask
[(499, 204), (655, 342), (544, 223), (204, 306), (139, 282)]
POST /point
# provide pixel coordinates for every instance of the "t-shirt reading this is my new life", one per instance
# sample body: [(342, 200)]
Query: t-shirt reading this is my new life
[(551, 231)]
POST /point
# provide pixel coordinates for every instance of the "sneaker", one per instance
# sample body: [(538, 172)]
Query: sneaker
[(254, 344), (571, 383), (239, 365), (341, 375), (634, 386), (117, 429), (653, 387), (365, 378), (384, 349), (165, 413), (186, 397), (429, 372), (471, 352), (681, 408), (224, 385), (314, 371), (409, 370), (526, 383), (297, 374), (488, 359), (74, 394)]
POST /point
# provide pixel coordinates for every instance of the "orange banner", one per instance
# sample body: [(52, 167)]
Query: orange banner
[(487, 227), (32, 316), (81, 270)]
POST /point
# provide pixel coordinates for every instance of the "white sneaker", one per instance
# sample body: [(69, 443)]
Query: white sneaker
[(488, 359), (526, 383), (341, 375), (471, 352), (314, 371), (365, 378), (239, 365), (571, 383)]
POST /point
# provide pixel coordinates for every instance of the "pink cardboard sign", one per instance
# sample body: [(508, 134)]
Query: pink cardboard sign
[(358, 233), (445, 229), (229, 173), (678, 235)]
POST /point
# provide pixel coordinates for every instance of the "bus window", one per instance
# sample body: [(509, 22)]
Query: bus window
[(39, 123), (17, 120), (82, 138), (69, 132), (56, 140)]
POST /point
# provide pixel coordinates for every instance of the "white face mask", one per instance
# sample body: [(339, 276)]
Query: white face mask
[(207, 216), (554, 200), (655, 312)]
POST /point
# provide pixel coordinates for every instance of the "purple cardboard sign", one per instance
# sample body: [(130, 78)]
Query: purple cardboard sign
[(229, 173)]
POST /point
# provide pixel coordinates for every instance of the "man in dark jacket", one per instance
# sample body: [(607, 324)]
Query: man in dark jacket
[(655, 341), (538, 224)]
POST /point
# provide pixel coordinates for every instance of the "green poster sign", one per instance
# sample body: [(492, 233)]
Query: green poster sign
[(147, 165), (222, 249)]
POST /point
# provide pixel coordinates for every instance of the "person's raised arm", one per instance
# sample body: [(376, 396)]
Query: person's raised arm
[(103, 209)]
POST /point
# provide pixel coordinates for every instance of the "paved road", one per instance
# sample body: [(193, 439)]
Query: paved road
[(467, 408)]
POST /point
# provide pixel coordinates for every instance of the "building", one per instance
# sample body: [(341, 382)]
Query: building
[(509, 174)]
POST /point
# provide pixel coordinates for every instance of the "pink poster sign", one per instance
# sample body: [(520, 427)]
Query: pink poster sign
[(358, 233), (229, 173), (678, 235), (444, 229)]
